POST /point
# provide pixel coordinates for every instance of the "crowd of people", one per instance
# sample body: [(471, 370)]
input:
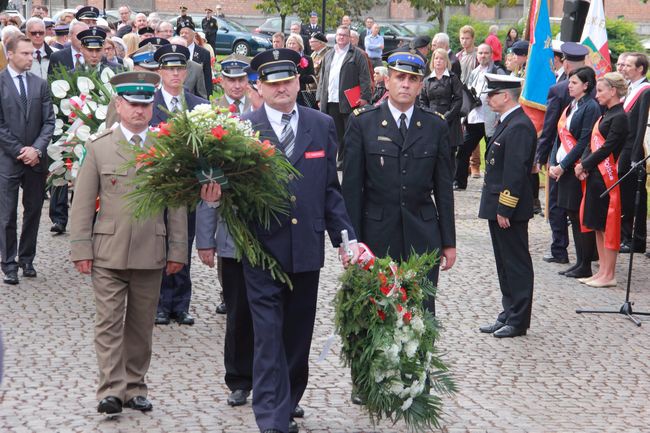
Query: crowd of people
[(403, 127)]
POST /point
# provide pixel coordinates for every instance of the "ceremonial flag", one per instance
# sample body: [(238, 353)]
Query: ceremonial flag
[(594, 37), (539, 66)]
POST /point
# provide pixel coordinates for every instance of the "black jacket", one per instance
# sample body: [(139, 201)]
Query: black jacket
[(446, 97), (354, 72)]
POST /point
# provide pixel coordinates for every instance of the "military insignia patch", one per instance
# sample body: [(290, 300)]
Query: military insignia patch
[(276, 54)]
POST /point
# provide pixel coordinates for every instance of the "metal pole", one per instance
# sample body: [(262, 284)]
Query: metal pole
[(324, 16)]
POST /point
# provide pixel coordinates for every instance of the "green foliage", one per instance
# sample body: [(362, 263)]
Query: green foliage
[(388, 341), (622, 37)]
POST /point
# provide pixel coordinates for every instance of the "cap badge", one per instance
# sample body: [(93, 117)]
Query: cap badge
[(174, 48), (94, 32), (276, 54), (141, 76)]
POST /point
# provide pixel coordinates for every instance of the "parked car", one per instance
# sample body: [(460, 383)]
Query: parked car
[(272, 25), (233, 37), (394, 36), (419, 28)]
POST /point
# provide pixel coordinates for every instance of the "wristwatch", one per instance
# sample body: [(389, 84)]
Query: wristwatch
[(38, 152)]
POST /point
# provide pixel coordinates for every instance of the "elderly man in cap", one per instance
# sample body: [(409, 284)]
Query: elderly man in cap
[(213, 236), (176, 289), (507, 204), (557, 100), (414, 144), (184, 17), (210, 27), (520, 50), (283, 318), (318, 45), (197, 53), (123, 257), (146, 32), (60, 36)]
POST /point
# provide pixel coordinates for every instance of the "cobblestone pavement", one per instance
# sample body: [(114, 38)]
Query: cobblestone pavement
[(572, 373)]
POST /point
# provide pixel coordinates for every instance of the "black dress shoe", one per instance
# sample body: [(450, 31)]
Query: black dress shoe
[(221, 308), (293, 427), (110, 405), (28, 270), (627, 248), (509, 331), (57, 228), (238, 397), (11, 277), (550, 258), (298, 412), (489, 329), (579, 272), (140, 403), (162, 318), (184, 318)]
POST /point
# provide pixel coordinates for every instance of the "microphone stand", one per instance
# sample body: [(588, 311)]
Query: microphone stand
[(626, 308)]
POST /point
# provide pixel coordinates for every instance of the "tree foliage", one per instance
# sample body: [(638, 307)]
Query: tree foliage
[(622, 37)]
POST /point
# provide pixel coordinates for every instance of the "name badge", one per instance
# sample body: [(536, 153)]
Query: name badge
[(315, 154), (383, 138)]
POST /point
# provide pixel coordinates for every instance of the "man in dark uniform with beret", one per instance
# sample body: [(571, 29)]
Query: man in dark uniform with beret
[(283, 318), (422, 44), (88, 15), (507, 203), (184, 18), (61, 36), (197, 53), (520, 50), (397, 182), (210, 28), (557, 100), (146, 32)]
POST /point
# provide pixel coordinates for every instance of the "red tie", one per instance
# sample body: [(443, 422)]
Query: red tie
[(77, 61)]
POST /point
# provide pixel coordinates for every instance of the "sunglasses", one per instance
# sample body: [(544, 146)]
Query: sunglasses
[(37, 33)]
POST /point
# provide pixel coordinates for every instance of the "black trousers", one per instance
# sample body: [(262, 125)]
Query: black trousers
[(283, 322), (585, 243), (238, 348), (33, 185), (59, 205), (341, 123), (176, 289), (515, 271), (557, 220), (629, 210), (474, 132)]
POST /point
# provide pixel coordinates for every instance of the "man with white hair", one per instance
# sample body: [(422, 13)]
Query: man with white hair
[(441, 40), (8, 33), (35, 31), (71, 55)]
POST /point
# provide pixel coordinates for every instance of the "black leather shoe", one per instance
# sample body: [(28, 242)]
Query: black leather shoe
[(298, 412), (550, 258), (162, 318), (57, 228), (627, 248), (221, 308), (110, 405), (139, 403), (579, 273), (238, 397), (184, 318), (11, 277), (569, 269), (509, 331), (28, 270), (293, 427), (489, 329)]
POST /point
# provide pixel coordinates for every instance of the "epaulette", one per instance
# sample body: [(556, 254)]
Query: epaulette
[(98, 135), (366, 108), (435, 113)]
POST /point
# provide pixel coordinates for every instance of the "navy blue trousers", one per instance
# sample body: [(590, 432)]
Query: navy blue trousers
[(557, 220), (176, 289), (59, 205)]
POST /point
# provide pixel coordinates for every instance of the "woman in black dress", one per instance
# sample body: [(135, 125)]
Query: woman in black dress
[(305, 70), (574, 135), (443, 92), (603, 215)]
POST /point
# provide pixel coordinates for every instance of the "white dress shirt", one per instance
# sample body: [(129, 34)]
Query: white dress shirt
[(335, 73), (191, 48), (275, 119), (14, 77), (396, 114), (74, 56), (168, 99), (129, 135), (242, 102)]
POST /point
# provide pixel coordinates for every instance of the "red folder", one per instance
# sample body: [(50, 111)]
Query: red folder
[(353, 96)]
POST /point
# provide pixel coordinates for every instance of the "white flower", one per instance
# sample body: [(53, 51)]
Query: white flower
[(392, 353), (58, 127), (54, 151), (56, 166), (83, 132), (417, 324), (379, 376), (60, 88), (85, 85), (416, 388), (59, 181), (101, 112), (407, 403), (66, 107), (106, 75), (396, 387), (410, 348)]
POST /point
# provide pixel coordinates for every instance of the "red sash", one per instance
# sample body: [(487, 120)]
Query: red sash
[(609, 171), (567, 140), (636, 94)]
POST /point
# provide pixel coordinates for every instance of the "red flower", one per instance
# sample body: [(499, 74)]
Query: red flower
[(90, 116), (214, 81), (407, 317), (218, 132), (232, 108), (218, 80), (267, 148), (146, 158), (399, 308), (402, 290), (372, 300), (68, 164), (381, 315), (385, 290), (164, 129), (382, 279), (303, 63)]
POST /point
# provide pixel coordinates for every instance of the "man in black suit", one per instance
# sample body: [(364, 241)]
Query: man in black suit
[(283, 319), (312, 27), (175, 289), (395, 155), (71, 55), (199, 54), (210, 27), (343, 68), (637, 105), (507, 204), (369, 22), (26, 128)]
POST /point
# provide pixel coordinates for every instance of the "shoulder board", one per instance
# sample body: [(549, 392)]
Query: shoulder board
[(98, 135), (366, 108), (435, 113)]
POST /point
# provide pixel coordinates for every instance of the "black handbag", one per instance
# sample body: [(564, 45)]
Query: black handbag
[(470, 101)]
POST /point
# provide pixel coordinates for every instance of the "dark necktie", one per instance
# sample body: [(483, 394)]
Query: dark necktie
[(77, 61), (402, 125), (136, 140), (23, 92), (288, 139), (38, 56), (174, 104), (237, 102)]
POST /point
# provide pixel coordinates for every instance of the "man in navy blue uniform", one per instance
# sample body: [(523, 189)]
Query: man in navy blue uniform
[(283, 318), (507, 204), (557, 100), (176, 289), (397, 182)]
